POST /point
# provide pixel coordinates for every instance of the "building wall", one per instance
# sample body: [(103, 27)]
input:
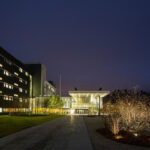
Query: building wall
[(14, 82), (43, 79), (49, 89), (35, 70), (40, 86)]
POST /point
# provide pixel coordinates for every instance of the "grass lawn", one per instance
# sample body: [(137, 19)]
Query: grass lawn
[(12, 124)]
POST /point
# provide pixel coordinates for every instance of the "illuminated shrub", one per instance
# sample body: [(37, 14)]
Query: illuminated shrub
[(129, 112), (134, 115), (112, 122)]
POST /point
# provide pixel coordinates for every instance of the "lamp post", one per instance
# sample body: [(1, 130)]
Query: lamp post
[(60, 85)]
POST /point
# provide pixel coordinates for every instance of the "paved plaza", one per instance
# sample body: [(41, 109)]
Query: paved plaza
[(66, 133)]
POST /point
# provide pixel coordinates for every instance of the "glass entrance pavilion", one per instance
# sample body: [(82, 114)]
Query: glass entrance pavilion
[(87, 102)]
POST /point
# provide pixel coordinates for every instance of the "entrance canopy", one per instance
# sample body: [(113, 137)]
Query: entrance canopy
[(88, 93)]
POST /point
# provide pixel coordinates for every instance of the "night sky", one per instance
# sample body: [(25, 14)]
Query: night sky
[(103, 43)]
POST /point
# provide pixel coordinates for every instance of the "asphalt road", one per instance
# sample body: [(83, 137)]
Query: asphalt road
[(66, 133)]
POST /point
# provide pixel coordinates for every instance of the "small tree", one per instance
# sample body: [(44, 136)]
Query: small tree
[(55, 102), (46, 103), (114, 123)]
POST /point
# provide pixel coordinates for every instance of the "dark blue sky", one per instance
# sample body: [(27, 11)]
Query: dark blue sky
[(103, 43)]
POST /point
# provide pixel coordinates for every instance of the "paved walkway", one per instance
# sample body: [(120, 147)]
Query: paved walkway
[(66, 133)]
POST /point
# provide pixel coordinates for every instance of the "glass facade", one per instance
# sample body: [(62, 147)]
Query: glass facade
[(87, 102)]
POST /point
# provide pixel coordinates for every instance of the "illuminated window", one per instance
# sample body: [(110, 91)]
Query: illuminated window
[(5, 97), (26, 73), (26, 91), (20, 90), (6, 85), (6, 73), (26, 82), (10, 98), (16, 95), (16, 73), (20, 69), (1, 65), (53, 90), (20, 79), (10, 86), (20, 99), (1, 78), (1, 92), (15, 84)]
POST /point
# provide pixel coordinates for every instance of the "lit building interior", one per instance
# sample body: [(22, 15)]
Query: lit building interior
[(87, 102)]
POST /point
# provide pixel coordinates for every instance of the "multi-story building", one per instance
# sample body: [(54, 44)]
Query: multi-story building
[(14, 82), (20, 83), (41, 87)]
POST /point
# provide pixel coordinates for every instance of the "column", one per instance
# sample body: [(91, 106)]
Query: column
[(101, 102)]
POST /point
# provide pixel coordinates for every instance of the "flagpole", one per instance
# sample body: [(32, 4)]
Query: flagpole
[(60, 85)]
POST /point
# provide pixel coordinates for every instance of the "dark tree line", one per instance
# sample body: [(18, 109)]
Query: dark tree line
[(124, 94)]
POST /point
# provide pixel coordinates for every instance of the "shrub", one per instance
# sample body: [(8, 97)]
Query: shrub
[(134, 115), (112, 123), (129, 113)]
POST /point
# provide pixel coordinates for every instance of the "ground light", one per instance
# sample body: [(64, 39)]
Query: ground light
[(118, 137), (135, 134)]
